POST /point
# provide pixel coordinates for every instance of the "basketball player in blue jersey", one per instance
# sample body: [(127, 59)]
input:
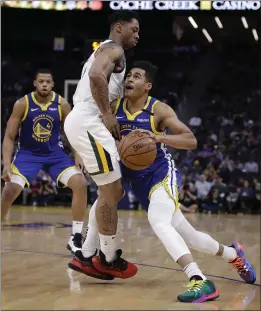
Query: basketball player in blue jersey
[(157, 187), (39, 117)]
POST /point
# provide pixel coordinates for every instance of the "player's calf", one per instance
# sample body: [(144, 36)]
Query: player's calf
[(10, 192)]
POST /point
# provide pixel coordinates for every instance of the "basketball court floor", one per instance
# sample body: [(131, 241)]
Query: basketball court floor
[(35, 275)]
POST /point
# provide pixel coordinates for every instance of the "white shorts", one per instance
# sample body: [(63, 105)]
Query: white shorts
[(64, 178), (94, 143)]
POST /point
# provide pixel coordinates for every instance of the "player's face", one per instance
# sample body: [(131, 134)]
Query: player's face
[(130, 34), (44, 84), (136, 84)]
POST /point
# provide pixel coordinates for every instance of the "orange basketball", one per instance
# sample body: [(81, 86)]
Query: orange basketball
[(137, 150)]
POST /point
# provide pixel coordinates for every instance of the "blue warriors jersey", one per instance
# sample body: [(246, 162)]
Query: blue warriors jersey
[(39, 141), (143, 119), (40, 126), (162, 172)]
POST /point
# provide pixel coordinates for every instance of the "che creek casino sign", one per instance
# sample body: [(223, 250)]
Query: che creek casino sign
[(186, 5)]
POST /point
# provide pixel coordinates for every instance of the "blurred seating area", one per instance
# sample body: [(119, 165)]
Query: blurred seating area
[(223, 174)]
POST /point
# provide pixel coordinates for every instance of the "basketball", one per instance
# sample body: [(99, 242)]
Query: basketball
[(137, 150)]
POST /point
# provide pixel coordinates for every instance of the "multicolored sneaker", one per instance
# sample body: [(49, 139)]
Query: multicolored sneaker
[(199, 291), (244, 268)]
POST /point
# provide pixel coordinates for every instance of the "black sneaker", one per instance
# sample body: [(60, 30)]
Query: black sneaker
[(75, 243)]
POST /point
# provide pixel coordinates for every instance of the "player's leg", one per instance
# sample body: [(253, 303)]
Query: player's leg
[(24, 170), (203, 242), (97, 148), (161, 209), (10, 192), (62, 170)]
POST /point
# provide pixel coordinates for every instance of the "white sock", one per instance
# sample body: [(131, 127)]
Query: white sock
[(91, 242), (229, 253), (192, 269), (108, 246), (77, 227)]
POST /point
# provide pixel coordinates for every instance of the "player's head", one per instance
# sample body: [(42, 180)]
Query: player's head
[(125, 24), (139, 79), (43, 82)]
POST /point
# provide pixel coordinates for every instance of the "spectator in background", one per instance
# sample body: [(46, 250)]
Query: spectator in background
[(36, 188), (188, 200), (195, 122), (251, 167), (47, 192), (246, 197), (202, 187)]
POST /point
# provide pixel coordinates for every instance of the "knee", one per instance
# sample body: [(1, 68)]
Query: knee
[(78, 183), (112, 193), (157, 223)]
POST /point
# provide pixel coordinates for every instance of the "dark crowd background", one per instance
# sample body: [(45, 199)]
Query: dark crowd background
[(213, 87)]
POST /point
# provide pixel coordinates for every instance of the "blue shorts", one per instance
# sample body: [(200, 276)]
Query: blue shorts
[(27, 165), (168, 178)]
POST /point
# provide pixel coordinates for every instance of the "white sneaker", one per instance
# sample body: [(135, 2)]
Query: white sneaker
[(75, 243)]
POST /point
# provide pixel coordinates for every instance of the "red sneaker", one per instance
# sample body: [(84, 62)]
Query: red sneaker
[(85, 266), (119, 268)]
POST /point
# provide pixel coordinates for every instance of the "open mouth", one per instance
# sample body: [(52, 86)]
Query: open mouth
[(129, 87)]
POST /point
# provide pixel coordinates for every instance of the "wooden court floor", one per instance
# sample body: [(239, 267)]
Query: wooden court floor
[(35, 275)]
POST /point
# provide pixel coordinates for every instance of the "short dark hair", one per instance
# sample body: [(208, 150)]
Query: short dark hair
[(149, 68), (123, 16), (44, 71)]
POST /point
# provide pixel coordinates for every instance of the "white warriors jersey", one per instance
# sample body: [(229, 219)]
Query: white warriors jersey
[(83, 99)]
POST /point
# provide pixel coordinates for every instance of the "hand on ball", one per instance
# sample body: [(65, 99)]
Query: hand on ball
[(153, 136)]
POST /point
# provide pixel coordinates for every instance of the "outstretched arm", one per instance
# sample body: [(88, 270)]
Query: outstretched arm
[(182, 137)]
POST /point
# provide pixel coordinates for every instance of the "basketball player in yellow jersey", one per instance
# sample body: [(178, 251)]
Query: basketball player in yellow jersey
[(39, 117), (102, 82), (156, 187)]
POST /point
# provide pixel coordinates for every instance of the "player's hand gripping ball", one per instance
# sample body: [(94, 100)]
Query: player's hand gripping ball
[(137, 150)]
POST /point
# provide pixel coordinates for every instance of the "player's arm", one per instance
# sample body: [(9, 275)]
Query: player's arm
[(99, 73), (182, 137), (10, 135), (65, 109)]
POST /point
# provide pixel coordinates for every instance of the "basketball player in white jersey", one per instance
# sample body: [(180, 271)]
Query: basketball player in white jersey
[(92, 137)]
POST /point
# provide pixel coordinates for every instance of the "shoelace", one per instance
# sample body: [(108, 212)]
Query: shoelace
[(194, 285), (240, 265)]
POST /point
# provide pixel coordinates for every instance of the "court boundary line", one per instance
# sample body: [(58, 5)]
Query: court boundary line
[(139, 264)]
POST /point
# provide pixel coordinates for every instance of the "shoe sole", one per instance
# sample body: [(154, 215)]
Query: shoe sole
[(77, 269), (204, 298)]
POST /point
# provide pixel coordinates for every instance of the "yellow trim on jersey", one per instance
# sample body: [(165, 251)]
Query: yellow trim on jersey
[(43, 107), (164, 184), (117, 105), (103, 157), (65, 170), (134, 115), (60, 107), (152, 120), (15, 171), (26, 107)]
